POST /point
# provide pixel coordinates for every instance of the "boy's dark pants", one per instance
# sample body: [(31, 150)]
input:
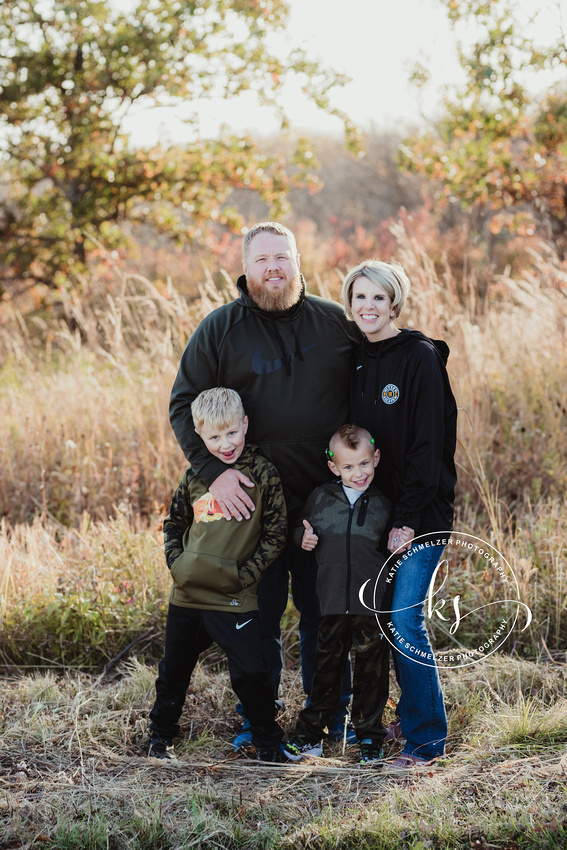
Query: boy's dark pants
[(188, 632), (337, 634)]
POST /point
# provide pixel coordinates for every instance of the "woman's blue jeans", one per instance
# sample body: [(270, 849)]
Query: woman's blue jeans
[(421, 708)]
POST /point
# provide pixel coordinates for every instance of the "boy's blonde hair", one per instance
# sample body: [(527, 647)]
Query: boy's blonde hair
[(390, 277), (218, 407)]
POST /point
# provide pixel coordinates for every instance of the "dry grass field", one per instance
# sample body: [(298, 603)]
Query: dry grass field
[(73, 774), (87, 466)]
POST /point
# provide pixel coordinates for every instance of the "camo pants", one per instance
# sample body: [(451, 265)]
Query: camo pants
[(337, 635)]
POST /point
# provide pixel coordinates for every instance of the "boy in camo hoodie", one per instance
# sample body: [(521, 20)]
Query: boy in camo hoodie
[(216, 565)]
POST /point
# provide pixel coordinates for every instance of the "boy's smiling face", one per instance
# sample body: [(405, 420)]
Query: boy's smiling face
[(227, 442), (355, 467)]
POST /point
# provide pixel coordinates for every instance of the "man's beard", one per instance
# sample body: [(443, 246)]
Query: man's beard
[(273, 302)]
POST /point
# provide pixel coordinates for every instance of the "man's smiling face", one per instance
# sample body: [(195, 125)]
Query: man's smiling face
[(272, 272)]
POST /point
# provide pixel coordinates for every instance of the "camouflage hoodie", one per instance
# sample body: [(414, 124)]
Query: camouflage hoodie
[(215, 563)]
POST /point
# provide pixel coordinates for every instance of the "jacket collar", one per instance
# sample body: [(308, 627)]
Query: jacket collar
[(293, 311)]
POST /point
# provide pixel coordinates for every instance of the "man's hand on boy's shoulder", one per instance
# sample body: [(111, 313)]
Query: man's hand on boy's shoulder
[(309, 539), (228, 491)]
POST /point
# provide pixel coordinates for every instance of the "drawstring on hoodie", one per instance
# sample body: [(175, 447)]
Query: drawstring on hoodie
[(372, 355), (286, 358), (272, 324), (298, 351)]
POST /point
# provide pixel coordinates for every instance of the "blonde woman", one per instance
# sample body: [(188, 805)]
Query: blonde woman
[(401, 393)]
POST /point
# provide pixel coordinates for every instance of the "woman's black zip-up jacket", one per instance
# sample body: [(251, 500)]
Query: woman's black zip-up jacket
[(349, 548)]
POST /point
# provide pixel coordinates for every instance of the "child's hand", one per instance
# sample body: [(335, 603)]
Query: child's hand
[(309, 539)]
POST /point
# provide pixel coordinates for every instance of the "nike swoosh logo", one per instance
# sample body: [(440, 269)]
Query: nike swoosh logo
[(359, 367), (241, 625), (264, 367)]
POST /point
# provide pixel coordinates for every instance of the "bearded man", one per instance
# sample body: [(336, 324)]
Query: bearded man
[(287, 353)]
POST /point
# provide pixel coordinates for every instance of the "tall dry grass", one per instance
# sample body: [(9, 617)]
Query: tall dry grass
[(87, 465), (85, 441), (78, 598)]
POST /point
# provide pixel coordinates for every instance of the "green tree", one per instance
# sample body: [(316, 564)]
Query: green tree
[(499, 150), (70, 72)]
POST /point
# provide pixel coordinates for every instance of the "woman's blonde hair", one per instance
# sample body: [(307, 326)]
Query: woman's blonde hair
[(218, 407), (390, 277)]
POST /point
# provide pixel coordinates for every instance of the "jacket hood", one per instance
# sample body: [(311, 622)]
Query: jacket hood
[(270, 315), (275, 317), (246, 456), (248, 452), (335, 488), (337, 485), (405, 338)]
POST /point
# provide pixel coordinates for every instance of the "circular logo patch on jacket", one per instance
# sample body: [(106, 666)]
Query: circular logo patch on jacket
[(390, 394)]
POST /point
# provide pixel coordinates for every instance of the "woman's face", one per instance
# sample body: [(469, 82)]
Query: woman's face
[(372, 310)]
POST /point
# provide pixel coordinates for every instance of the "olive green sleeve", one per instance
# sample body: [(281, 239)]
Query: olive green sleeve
[(179, 519)]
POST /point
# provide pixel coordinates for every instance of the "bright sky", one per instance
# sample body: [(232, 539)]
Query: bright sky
[(375, 42)]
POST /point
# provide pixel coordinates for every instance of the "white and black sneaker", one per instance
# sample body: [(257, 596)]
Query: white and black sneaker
[(298, 749)]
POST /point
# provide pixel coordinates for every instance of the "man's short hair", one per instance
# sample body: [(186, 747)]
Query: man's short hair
[(390, 277), (218, 407), (268, 227), (350, 436)]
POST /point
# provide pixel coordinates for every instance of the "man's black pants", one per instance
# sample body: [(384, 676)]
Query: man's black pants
[(272, 602), (188, 632)]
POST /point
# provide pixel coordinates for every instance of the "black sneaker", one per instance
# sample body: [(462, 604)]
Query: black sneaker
[(161, 748), (370, 753), (270, 755), (298, 749)]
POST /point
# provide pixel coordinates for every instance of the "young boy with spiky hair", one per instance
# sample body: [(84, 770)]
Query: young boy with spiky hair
[(344, 522), (216, 565)]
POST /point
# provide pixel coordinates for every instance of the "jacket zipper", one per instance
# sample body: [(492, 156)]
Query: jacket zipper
[(348, 568)]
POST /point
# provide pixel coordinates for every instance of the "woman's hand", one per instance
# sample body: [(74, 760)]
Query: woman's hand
[(309, 539), (399, 539), (233, 500)]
